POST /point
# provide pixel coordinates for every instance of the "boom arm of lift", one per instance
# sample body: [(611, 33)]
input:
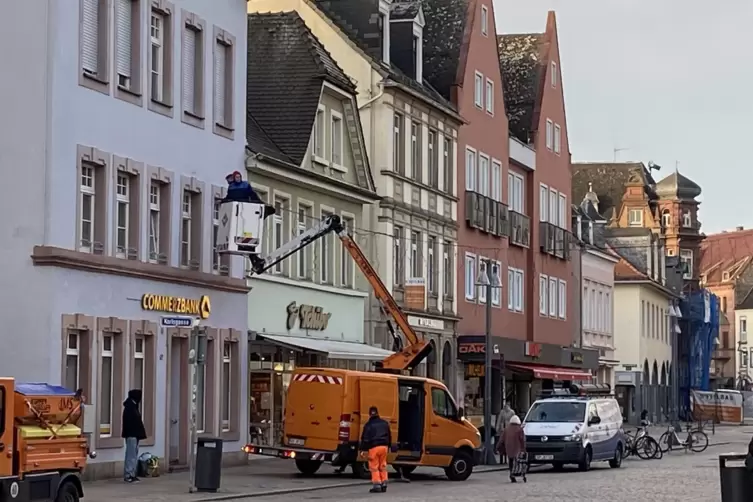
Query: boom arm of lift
[(416, 349)]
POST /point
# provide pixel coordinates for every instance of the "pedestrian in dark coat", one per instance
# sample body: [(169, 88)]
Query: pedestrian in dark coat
[(133, 431)]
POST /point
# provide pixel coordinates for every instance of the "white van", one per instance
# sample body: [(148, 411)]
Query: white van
[(579, 425)]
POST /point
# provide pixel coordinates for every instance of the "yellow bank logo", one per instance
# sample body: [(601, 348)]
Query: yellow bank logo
[(200, 307)]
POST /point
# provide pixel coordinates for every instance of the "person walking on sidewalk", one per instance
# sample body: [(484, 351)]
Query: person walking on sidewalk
[(133, 432), (376, 440), (513, 441), (503, 419)]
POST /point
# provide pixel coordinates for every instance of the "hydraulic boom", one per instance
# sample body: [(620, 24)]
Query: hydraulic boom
[(416, 349)]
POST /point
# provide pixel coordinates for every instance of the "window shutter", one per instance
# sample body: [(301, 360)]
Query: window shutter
[(90, 37), (189, 69), (219, 83), (124, 26)]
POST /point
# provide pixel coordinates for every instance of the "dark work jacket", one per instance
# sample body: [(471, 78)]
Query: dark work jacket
[(242, 191), (133, 426), (376, 432)]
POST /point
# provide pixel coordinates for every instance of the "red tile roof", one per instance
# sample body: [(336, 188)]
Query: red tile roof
[(721, 251)]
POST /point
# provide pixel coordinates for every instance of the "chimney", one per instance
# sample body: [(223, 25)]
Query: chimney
[(739, 229)]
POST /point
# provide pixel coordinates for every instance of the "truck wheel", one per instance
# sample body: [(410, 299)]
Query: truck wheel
[(361, 470), (460, 468), (307, 467), (67, 492)]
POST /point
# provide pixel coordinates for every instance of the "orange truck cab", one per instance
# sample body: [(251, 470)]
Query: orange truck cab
[(42, 449), (326, 410)]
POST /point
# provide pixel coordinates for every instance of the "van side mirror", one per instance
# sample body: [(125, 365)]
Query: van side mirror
[(594, 421), (461, 413)]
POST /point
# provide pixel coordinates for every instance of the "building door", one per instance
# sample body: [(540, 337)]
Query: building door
[(6, 426), (178, 406)]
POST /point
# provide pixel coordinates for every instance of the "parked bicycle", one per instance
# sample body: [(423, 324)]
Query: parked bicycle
[(642, 445), (696, 441)]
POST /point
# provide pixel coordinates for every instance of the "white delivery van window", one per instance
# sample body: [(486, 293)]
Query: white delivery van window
[(592, 413), (557, 411)]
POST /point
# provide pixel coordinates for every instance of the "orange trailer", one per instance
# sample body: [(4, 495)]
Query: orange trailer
[(43, 451)]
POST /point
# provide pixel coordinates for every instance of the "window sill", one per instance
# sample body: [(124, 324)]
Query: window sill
[(126, 90), (193, 119), (223, 130), (160, 106), (338, 167), (95, 78)]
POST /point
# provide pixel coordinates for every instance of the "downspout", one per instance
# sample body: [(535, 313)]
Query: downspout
[(380, 86), (50, 49)]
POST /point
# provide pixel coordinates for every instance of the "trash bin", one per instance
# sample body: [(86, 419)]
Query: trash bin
[(736, 481), (208, 464)]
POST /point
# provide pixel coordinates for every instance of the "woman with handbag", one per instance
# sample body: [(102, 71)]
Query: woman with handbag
[(513, 444)]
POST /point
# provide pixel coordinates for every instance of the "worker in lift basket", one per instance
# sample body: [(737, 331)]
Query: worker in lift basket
[(376, 439), (239, 190)]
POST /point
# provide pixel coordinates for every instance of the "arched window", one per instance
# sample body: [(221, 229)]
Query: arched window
[(666, 218)]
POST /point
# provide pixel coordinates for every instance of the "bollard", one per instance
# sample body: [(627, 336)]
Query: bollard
[(736, 481)]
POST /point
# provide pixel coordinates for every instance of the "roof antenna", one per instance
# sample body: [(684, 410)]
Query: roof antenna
[(677, 166), (617, 150)]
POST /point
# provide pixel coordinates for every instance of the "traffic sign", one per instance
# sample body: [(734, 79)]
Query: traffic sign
[(176, 321)]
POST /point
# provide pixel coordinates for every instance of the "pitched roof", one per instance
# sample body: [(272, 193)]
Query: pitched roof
[(446, 22), (608, 181), (523, 59), (356, 19), (287, 66), (678, 186), (719, 252)]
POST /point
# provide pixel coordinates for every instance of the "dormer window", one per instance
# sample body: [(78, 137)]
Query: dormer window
[(418, 50), (725, 276), (384, 29), (687, 221), (635, 217)]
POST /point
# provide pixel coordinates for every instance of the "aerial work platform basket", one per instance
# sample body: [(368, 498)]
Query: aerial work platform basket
[(241, 229)]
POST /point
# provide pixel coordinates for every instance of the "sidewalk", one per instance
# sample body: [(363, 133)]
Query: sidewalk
[(259, 477)]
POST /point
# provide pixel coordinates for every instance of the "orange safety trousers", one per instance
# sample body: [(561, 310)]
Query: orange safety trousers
[(378, 464)]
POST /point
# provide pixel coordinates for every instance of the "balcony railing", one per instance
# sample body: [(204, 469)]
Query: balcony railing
[(486, 214), (520, 229), (554, 240)]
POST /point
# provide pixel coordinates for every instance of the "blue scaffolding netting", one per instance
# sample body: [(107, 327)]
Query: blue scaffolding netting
[(700, 327)]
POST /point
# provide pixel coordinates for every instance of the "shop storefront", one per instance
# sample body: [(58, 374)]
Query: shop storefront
[(292, 326), (520, 371)]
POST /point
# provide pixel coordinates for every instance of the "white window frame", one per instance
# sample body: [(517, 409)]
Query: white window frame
[(489, 96), (222, 54), (478, 90), (543, 294), (519, 290), (553, 293), (511, 289), (87, 185), (632, 220), (139, 369), (471, 173), (90, 42), (157, 55), (347, 264), (432, 285), (73, 352), (415, 254), (398, 126), (415, 150), (448, 269), (554, 76), (398, 234), (686, 255), (562, 212), (227, 364), (216, 257), (497, 291), (484, 20), (326, 247), (483, 174), (122, 199), (481, 268), (105, 429), (185, 228), (562, 300), (278, 228), (336, 151), (687, 219), (666, 218), (515, 192), (318, 148), (496, 189), (153, 230), (303, 261), (543, 203), (470, 277), (557, 138), (553, 206), (188, 69), (549, 134), (124, 49)]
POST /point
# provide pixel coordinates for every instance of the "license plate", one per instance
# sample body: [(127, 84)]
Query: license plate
[(544, 457), (296, 441)]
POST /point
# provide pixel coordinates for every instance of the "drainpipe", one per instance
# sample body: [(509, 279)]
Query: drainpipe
[(374, 311), (380, 86)]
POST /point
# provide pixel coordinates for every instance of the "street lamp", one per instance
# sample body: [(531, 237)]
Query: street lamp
[(674, 315), (488, 278)]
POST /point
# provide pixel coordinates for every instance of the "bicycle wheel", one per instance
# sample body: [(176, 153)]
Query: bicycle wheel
[(646, 448), (698, 441), (659, 454), (664, 442)]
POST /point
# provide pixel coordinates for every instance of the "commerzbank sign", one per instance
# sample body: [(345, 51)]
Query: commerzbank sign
[(199, 307)]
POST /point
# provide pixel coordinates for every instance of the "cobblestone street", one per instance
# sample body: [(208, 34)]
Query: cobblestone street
[(678, 476)]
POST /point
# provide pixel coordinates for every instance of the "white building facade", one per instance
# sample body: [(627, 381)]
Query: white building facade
[(127, 118)]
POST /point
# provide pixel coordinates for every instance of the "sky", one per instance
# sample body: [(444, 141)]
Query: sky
[(668, 81)]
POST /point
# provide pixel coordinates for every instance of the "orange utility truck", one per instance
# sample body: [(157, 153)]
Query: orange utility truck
[(42, 449), (326, 409)]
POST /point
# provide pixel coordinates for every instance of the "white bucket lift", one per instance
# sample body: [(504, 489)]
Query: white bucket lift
[(241, 228)]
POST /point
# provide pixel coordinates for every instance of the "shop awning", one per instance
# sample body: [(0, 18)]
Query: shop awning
[(332, 349), (551, 372)]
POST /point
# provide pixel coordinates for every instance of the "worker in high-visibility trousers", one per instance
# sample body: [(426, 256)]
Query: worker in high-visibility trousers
[(376, 440)]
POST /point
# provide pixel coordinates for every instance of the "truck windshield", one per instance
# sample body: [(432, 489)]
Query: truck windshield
[(556, 411)]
